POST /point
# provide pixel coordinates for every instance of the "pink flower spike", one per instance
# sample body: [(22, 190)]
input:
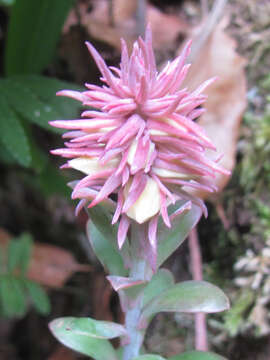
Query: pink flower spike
[(138, 141)]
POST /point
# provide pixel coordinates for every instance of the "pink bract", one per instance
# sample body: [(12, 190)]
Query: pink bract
[(141, 143)]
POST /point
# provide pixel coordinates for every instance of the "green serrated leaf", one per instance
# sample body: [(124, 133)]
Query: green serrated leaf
[(46, 88), (26, 243), (87, 336), (6, 156), (33, 32), (188, 297), (7, 2), (197, 355), (161, 281), (169, 239), (14, 254), (13, 136), (12, 297), (149, 357), (27, 104), (38, 296), (103, 247)]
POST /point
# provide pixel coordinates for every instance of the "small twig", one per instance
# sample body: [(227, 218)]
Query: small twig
[(222, 216), (201, 342), (207, 28), (141, 17)]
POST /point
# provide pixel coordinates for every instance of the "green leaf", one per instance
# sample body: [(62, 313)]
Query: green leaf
[(7, 2), (14, 254), (13, 136), (197, 355), (26, 250), (33, 32), (149, 357), (102, 218), (51, 181), (27, 104), (169, 239), (6, 156), (188, 297), (19, 252), (38, 296), (12, 297), (103, 247), (102, 221), (45, 89), (87, 336), (161, 281)]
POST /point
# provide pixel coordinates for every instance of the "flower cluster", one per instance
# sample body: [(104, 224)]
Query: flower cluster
[(141, 142)]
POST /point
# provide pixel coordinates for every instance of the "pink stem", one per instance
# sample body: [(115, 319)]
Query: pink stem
[(201, 342)]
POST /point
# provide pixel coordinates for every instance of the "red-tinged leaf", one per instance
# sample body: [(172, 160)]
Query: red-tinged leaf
[(123, 283)]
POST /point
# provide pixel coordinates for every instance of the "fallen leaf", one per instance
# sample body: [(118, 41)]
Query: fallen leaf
[(49, 265), (52, 266), (226, 96), (109, 28)]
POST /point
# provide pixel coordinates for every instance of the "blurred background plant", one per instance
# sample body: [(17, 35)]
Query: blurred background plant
[(42, 47)]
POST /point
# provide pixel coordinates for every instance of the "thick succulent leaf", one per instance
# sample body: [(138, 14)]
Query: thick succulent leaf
[(169, 239), (89, 327), (188, 297), (33, 32), (12, 297), (103, 246), (38, 296), (27, 104), (87, 336), (197, 355), (161, 281), (102, 220), (13, 136), (45, 89), (149, 357)]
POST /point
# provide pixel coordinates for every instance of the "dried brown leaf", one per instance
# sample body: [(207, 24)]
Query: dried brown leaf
[(98, 23), (226, 97), (53, 266), (49, 265)]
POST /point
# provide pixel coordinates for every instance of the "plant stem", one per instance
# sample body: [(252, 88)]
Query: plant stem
[(138, 271), (201, 342)]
